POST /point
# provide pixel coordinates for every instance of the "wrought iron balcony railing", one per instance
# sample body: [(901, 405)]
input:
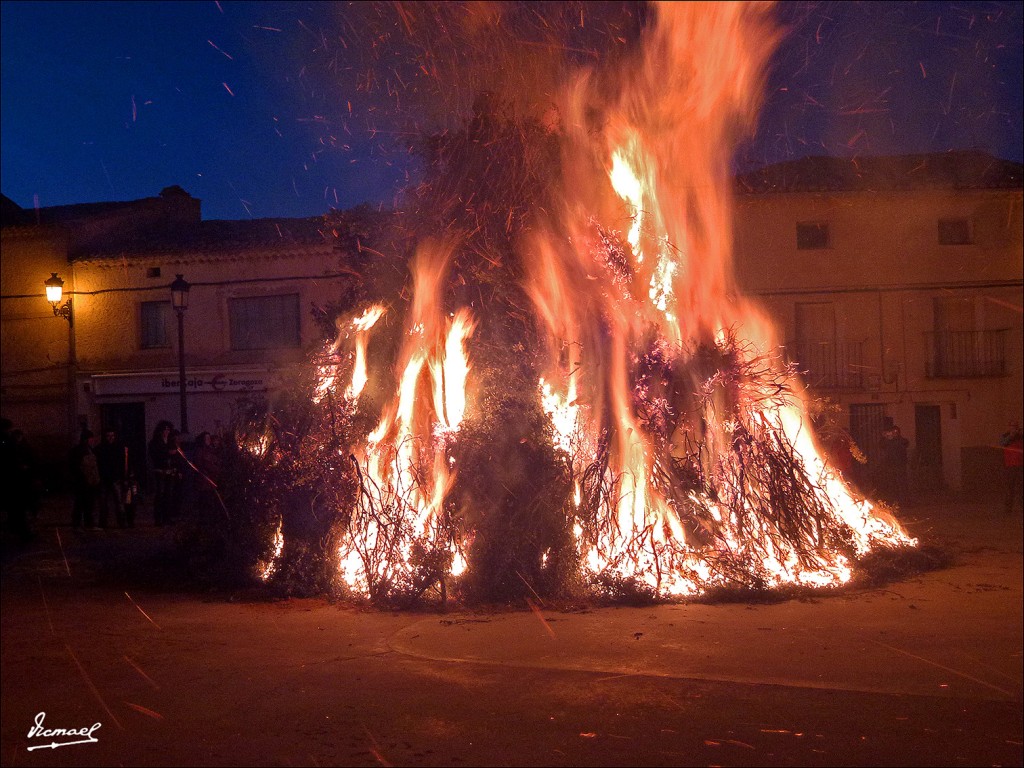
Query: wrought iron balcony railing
[(966, 354), (830, 365)]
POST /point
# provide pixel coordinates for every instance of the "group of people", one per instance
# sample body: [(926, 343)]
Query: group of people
[(888, 472), (893, 477), (172, 471), (103, 482), (106, 490)]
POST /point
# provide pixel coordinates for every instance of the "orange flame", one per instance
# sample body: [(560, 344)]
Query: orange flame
[(266, 569), (668, 284), (362, 326), (329, 371), (660, 295), (404, 471)]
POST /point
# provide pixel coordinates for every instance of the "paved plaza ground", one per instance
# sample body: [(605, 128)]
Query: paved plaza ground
[(926, 670)]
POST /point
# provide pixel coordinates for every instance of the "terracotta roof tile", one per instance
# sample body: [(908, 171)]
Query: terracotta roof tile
[(950, 170), (207, 237)]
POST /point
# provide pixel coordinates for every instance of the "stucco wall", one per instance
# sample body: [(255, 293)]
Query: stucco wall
[(34, 344), (882, 272)]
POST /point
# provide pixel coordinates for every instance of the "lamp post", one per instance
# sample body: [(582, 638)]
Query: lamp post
[(179, 300), (54, 293)]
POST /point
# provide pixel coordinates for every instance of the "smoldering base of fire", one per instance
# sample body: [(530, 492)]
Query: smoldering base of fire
[(521, 510)]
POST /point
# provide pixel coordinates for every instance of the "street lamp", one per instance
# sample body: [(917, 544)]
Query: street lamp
[(54, 292), (179, 300)]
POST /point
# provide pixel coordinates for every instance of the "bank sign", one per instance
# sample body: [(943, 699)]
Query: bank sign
[(156, 383)]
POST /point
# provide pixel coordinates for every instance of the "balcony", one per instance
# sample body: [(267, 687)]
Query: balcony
[(966, 354), (829, 365)]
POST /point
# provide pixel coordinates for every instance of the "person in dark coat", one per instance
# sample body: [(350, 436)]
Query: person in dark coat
[(112, 459), (895, 458), (207, 462), (179, 465), (27, 486), (18, 481), (85, 481), (160, 461)]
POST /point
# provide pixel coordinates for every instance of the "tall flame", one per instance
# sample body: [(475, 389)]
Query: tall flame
[(686, 438), (403, 468), (665, 291)]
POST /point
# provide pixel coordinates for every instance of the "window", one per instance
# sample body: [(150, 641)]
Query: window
[(955, 232), (825, 361), (264, 322), (811, 235), (960, 344), (155, 315), (152, 271), (815, 322)]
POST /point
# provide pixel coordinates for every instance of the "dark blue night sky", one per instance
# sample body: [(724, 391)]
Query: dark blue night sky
[(263, 109)]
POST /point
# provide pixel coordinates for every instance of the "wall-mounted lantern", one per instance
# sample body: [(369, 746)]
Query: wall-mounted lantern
[(54, 293)]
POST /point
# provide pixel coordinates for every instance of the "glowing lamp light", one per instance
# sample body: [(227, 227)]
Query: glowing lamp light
[(54, 293), (54, 288)]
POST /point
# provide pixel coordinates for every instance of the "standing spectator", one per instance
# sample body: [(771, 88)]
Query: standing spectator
[(846, 456), (25, 486), (207, 457), (163, 473), (178, 466), (111, 456), (13, 490), (208, 465), (894, 465), (85, 481), (1013, 465)]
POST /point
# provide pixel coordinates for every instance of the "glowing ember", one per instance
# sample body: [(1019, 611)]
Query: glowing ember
[(266, 569), (257, 444)]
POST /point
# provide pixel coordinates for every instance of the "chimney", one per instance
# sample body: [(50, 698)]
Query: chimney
[(179, 206)]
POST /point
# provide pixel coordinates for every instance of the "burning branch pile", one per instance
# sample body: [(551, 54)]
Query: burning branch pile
[(740, 505), (580, 402)]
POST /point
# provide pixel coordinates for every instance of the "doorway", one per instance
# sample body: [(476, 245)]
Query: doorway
[(867, 420), (928, 444)]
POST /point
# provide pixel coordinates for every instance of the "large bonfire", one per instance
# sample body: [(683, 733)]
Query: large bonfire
[(583, 402)]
